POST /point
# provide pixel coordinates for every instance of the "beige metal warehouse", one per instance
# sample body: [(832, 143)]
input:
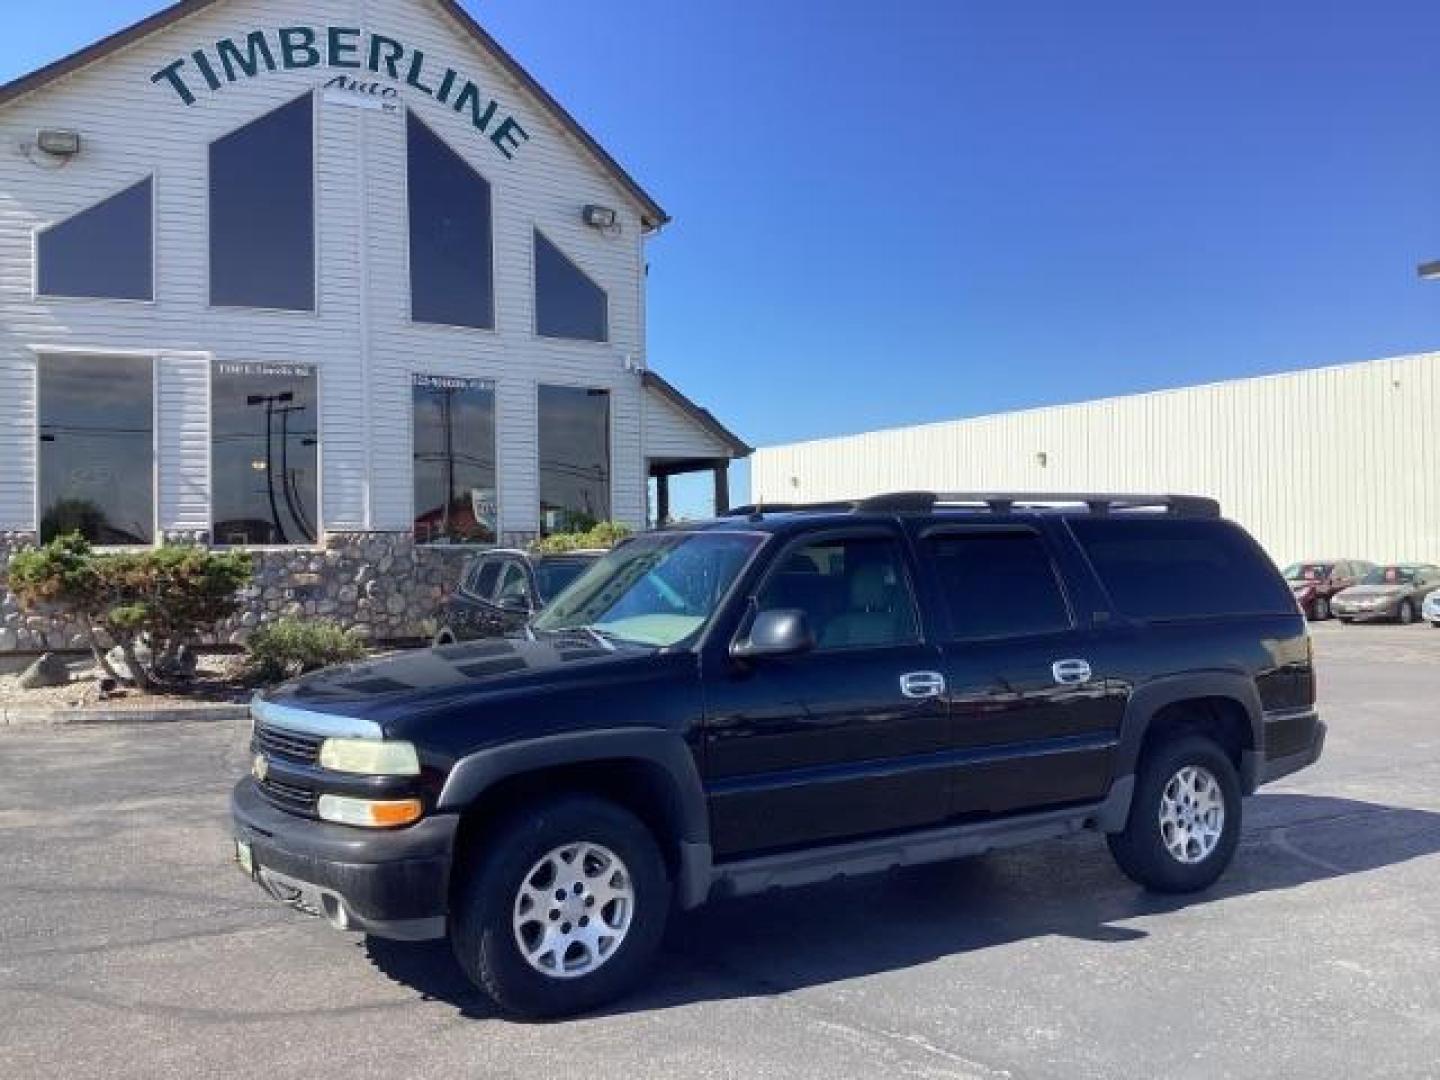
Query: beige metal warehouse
[(1335, 461)]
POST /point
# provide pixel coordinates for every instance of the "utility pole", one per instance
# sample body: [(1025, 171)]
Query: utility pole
[(270, 401)]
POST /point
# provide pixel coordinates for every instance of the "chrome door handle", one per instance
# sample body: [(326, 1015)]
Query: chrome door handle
[(1071, 672), (922, 684)]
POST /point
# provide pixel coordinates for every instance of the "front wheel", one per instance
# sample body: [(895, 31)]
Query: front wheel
[(563, 909), (1185, 820)]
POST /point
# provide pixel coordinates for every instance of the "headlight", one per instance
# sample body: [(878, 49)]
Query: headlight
[(368, 757), (369, 813)]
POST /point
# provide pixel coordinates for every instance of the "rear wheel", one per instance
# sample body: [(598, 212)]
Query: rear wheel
[(564, 909), (1185, 819), (445, 637), (1405, 613), (1320, 609)]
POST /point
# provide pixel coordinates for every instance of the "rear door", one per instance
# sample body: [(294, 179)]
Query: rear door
[(1036, 719)]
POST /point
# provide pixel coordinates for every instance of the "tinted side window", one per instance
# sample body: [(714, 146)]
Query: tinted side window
[(998, 584), (482, 581), (262, 212), (853, 591), (514, 585), (1164, 568)]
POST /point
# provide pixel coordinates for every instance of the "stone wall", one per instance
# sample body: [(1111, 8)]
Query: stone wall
[(381, 585)]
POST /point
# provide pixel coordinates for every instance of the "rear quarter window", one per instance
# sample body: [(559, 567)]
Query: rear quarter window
[(1166, 568)]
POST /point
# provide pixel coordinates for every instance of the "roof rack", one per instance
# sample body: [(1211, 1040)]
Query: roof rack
[(924, 502)]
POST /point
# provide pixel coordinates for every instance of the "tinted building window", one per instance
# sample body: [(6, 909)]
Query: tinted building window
[(265, 454), (998, 584), (1163, 568), (455, 498), (451, 273), (262, 212), (567, 303), (574, 458), (97, 449), (105, 252)]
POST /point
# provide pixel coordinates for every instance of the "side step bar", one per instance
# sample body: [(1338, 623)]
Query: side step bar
[(815, 865)]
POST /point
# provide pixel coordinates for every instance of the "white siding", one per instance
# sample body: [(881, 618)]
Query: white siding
[(360, 339), (183, 442), (669, 433), (1333, 462)]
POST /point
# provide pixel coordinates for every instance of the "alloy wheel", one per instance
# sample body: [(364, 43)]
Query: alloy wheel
[(573, 910), (1192, 814)]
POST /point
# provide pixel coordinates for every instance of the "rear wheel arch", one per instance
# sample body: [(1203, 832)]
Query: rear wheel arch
[(1224, 708)]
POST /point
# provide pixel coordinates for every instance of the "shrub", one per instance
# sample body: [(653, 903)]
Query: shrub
[(290, 647), (164, 598), (598, 537)]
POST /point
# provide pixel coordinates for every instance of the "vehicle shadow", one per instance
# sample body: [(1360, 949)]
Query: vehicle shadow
[(785, 941)]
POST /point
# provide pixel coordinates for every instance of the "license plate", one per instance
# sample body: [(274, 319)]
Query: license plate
[(245, 858)]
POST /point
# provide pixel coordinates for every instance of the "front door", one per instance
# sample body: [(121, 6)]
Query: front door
[(1036, 719), (842, 742)]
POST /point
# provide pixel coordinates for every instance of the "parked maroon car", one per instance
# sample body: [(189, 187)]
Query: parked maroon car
[(1316, 582)]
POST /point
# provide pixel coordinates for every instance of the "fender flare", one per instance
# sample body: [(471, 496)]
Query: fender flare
[(1148, 699), (476, 773)]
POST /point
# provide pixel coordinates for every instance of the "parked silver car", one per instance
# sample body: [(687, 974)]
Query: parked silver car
[(1393, 592)]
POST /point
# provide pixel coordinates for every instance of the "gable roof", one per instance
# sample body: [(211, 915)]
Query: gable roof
[(703, 418), (652, 213)]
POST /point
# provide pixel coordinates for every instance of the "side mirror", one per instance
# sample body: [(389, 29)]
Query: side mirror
[(782, 632)]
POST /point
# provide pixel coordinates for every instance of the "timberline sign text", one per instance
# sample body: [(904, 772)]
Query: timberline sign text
[(293, 48)]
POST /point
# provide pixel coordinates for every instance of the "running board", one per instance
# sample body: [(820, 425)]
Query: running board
[(857, 858)]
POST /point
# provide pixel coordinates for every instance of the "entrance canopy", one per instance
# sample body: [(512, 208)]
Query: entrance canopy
[(680, 438)]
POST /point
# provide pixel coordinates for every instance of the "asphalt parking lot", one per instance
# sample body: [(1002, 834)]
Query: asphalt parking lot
[(130, 947)]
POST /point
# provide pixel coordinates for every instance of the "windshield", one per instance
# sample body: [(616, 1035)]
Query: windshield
[(1389, 575), (1307, 572), (659, 590), (553, 578)]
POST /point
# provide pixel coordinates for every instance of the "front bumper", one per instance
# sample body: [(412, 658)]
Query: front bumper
[(1385, 611), (390, 884), (1294, 740)]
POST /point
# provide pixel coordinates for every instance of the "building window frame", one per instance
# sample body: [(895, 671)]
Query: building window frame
[(407, 239), (37, 230), (316, 310), (476, 547), (152, 356), (536, 234), (318, 375), (573, 384)]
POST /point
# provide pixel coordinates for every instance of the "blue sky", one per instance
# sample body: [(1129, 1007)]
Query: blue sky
[(888, 214)]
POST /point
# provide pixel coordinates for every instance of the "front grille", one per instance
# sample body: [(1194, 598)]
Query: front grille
[(297, 800), (287, 745)]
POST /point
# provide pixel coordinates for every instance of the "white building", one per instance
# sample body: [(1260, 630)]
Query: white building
[(1333, 462), (321, 277)]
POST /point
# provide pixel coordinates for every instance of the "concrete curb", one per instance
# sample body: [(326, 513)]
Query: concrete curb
[(25, 716)]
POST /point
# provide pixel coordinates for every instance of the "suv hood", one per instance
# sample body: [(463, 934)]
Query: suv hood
[(401, 684)]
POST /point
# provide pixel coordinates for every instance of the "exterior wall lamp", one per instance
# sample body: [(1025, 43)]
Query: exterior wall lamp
[(58, 142)]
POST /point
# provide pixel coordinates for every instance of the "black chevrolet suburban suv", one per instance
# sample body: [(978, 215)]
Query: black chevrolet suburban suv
[(779, 697)]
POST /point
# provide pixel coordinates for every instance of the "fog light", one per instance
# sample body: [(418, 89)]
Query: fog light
[(369, 813)]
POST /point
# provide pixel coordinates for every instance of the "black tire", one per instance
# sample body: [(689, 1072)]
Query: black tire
[(1141, 850), (484, 936), (1344, 621), (1405, 613), (444, 637), (1320, 610)]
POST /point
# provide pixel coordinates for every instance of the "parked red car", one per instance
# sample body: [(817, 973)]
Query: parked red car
[(1315, 583)]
